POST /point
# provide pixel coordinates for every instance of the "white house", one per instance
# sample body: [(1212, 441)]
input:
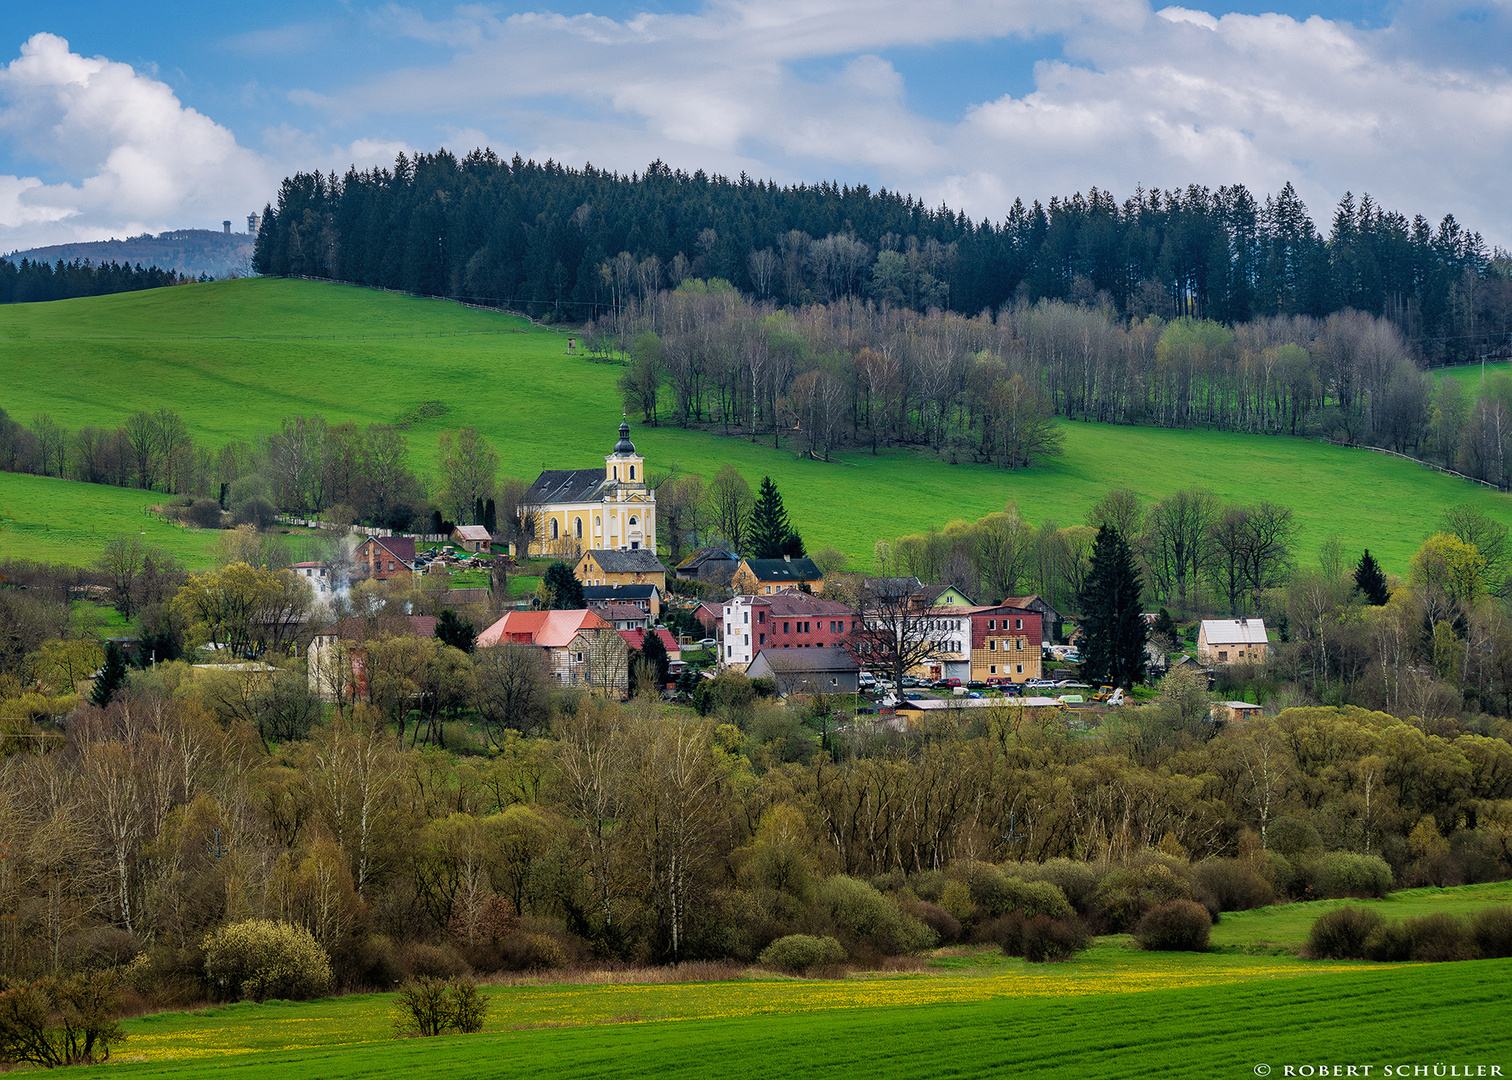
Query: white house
[(1232, 641)]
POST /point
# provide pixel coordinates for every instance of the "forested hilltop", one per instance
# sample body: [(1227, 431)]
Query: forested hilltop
[(572, 244)]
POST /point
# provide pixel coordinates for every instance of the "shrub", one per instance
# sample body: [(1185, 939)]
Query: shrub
[(1037, 898), (1076, 880), (1048, 940), (1389, 941), (1128, 892), (864, 918), (1341, 934), (1343, 873), (1175, 926), (255, 511), (1006, 932), (424, 960), (1491, 931), (532, 952), (1438, 937), (798, 953), (59, 1021), (1234, 883), (427, 1006), (261, 959), (946, 927), (206, 513)]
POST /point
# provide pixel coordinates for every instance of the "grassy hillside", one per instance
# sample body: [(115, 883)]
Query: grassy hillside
[(1287, 925), (1093, 1017), (233, 357)]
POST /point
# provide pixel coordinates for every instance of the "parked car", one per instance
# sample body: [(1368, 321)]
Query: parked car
[(976, 685), (707, 643)]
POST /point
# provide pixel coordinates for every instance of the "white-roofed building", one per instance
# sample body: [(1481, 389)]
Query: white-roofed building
[(1232, 641)]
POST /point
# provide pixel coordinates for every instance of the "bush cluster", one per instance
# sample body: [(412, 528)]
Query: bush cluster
[(1361, 934), (1175, 926)]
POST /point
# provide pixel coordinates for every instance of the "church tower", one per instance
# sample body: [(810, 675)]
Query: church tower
[(624, 466)]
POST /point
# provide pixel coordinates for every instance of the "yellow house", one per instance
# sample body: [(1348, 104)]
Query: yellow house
[(608, 509), (638, 567), (764, 577)]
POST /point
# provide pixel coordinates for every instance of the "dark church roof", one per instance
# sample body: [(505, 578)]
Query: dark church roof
[(565, 486)]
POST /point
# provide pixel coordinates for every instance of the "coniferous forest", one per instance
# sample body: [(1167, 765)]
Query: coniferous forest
[(574, 244)]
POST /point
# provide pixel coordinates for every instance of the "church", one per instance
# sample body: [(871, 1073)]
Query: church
[(608, 509)]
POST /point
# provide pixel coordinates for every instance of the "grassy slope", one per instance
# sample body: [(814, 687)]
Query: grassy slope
[(1288, 924), (1039, 1024), (233, 357)]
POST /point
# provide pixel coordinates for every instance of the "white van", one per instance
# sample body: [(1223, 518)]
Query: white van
[(867, 681)]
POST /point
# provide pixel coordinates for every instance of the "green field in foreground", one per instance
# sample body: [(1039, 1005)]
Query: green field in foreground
[(1287, 925), (234, 357), (1178, 1016)]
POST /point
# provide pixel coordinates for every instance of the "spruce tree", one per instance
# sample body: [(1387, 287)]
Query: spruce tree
[(453, 630), (1371, 581), (111, 677), (560, 589), (768, 529), (1113, 632), (654, 652)]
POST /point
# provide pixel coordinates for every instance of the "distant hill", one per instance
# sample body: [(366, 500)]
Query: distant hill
[(191, 252)]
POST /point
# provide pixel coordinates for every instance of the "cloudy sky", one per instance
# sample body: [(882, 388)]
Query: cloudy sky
[(121, 118)]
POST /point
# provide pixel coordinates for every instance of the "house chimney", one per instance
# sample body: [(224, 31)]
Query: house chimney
[(787, 558)]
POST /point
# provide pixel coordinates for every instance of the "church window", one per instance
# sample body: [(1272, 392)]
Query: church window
[(616, 472), (632, 472), (577, 527), (632, 521), (554, 532)]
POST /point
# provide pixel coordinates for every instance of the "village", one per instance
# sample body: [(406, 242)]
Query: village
[(892, 649)]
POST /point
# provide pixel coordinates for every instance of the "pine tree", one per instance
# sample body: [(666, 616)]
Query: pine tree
[(653, 652), (453, 630), (1371, 581), (111, 677), (560, 589), (768, 529), (1113, 631)]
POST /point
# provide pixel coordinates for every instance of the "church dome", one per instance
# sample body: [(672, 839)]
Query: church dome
[(624, 446)]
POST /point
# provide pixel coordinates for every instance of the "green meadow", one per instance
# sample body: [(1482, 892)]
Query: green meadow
[(1112, 1013), (1286, 926), (234, 357)]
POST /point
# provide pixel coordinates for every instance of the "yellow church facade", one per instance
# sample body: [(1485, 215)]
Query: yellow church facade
[(609, 509)]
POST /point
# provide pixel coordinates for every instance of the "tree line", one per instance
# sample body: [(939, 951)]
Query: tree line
[(29, 281), (573, 243)]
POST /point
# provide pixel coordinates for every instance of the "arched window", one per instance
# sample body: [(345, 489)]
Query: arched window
[(632, 521), (632, 472), (616, 471), (577, 528), (554, 532)]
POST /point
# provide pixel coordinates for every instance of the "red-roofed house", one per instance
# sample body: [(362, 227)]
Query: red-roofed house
[(636, 638), (581, 648)]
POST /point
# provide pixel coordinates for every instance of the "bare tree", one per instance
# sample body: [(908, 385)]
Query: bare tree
[(731, 500), (894, 633), (1178, 540)]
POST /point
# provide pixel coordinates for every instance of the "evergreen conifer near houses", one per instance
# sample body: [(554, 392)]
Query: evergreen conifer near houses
[(560, 589), (112, 676), (768, 535), (1113, 631), (1371, 581)]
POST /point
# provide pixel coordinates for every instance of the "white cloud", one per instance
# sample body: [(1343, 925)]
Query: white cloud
[(133, 156), (1160, 98)]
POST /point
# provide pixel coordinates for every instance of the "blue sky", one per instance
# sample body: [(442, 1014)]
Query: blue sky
[(117, 119)]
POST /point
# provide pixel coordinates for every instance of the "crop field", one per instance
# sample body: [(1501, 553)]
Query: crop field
[(235, 357), (1112, 1013), (1287, 925)]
